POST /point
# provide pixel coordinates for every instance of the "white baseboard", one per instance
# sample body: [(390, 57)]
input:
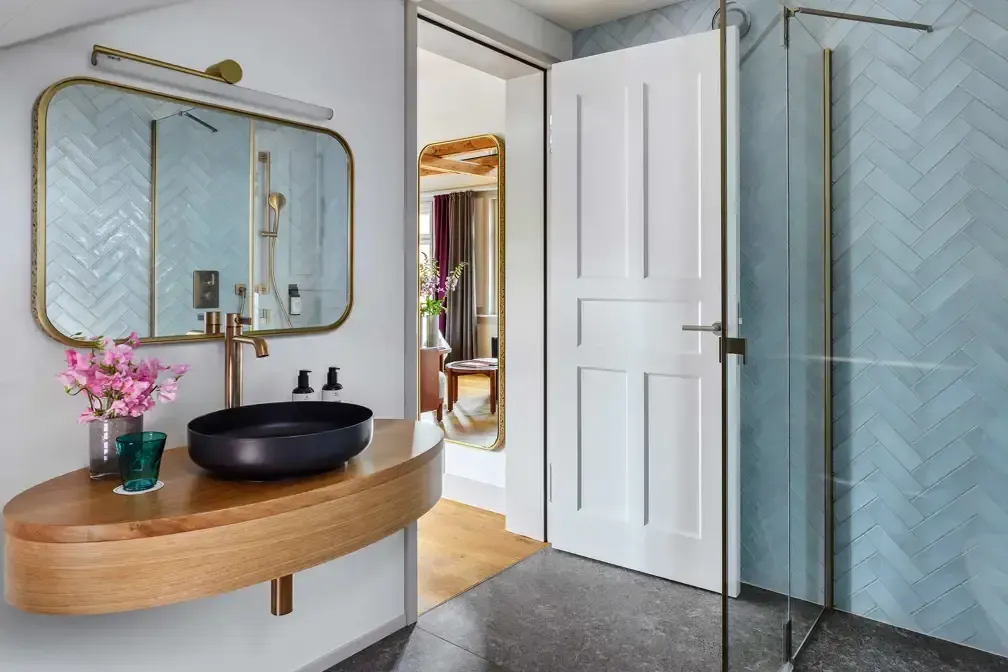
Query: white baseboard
[(356, 646), (474, 493)]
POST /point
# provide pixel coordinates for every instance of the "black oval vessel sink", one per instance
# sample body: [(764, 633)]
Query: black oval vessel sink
[(266, 442)]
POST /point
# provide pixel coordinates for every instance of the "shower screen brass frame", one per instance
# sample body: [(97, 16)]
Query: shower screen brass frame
[(38, 258), (880, 21), (498, 144), (827, 111), (723, 49)]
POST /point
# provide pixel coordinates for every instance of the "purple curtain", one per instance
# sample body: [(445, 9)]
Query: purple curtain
[(461, 330), (441, 214)]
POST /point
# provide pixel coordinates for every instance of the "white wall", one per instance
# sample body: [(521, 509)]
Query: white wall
[(456, 101), (329, 60), (23, 20)]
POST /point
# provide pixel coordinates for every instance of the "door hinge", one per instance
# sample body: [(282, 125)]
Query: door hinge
[(549, 135), (733, 346), (786, 642), (549, 483)]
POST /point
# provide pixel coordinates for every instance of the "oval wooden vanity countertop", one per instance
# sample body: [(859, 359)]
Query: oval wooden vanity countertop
[(72, 508), (72, 546)]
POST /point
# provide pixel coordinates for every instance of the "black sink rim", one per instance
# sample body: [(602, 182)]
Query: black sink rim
[(198, 425), (264, 457)]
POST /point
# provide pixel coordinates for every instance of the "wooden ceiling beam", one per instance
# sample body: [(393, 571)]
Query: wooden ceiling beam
[(493, 160), (461, 147), (448, 166)]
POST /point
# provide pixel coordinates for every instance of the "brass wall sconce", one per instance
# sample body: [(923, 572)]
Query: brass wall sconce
[(218, 80)]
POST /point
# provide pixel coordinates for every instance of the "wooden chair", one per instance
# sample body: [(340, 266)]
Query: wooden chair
[(433, 384)]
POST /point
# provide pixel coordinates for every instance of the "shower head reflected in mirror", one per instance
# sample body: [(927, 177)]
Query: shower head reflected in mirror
[(277, 201)]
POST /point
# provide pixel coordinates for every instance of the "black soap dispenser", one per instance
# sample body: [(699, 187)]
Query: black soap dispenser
[(331, 390), (303, 391)]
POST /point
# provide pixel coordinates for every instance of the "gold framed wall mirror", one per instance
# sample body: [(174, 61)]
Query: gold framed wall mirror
[(152, 210), (460, 256)]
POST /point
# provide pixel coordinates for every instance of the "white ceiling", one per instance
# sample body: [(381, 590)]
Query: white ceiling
[(23, 20), (578, 14)]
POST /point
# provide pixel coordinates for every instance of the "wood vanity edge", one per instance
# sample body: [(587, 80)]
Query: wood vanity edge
[(138, 572), (332, 486)]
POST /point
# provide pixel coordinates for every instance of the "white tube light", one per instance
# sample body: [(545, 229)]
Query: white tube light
[(185, 79)]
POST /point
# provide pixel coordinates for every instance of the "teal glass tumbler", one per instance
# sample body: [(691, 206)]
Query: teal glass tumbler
[(140, 459)]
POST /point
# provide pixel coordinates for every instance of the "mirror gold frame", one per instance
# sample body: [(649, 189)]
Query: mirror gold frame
[(498, 144), (38, 258)]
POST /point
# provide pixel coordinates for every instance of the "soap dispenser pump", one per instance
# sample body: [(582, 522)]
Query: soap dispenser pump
[(303, 391), (331, 390)]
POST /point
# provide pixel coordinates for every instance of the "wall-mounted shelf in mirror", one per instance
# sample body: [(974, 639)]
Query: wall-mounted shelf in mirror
[(151, 210)]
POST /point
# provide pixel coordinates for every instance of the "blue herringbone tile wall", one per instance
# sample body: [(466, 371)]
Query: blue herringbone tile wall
[(98, 172), (202, 212), (920, 171), (920, 268), (764, 289), (807, 317)]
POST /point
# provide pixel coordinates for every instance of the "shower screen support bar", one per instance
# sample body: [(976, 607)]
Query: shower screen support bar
[(859, 17)]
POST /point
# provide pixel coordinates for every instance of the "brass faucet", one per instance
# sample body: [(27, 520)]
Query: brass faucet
[(282, 588), (233, 342)]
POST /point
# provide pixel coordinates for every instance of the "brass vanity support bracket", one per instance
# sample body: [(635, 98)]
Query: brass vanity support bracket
[(226, 71), (282, 595)]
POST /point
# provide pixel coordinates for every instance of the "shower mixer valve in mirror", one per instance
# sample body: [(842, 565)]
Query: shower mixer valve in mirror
[(146, 205)]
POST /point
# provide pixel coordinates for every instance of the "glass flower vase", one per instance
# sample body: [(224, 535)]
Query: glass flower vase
[(103, 461), (431, 331)]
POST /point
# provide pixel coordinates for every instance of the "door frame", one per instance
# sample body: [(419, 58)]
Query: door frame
[(412, 320)]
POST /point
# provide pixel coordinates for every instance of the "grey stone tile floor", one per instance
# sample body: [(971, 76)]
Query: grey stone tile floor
[(846, 643), (555, 612)]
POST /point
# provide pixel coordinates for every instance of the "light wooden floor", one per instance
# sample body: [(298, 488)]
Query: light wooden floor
[(460, 546)]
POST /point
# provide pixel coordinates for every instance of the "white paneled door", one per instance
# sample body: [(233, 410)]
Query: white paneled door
[(634, 402)]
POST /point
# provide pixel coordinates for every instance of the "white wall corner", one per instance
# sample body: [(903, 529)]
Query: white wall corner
[(504, 24)]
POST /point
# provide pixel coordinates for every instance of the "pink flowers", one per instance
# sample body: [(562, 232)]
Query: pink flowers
[(115, 385), (432, 292)]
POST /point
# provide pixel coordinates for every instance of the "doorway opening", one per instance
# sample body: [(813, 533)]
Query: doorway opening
[(465, 107)]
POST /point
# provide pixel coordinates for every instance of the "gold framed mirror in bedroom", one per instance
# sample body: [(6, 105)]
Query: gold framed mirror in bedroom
[(460, 257)]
